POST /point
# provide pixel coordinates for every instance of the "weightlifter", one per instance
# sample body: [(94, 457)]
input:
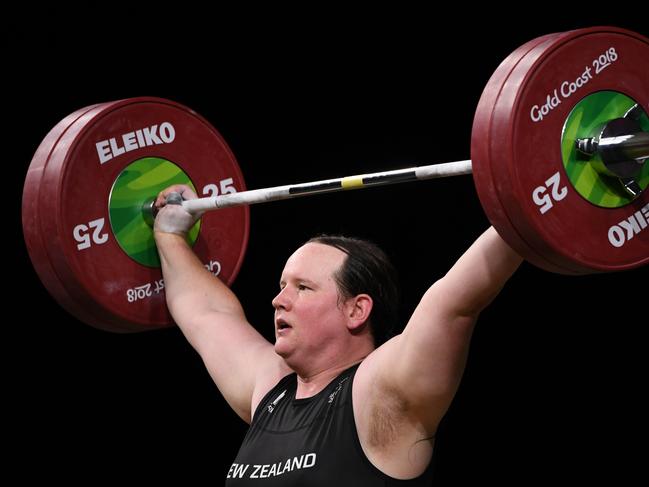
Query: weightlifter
[(338, 399)]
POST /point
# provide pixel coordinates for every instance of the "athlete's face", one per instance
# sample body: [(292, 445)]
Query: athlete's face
[(308, 311)]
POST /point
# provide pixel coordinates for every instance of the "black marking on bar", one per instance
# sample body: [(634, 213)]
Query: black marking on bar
[(314, 188), (391, 178)]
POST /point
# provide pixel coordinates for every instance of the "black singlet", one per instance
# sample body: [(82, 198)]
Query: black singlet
[(308, 442)]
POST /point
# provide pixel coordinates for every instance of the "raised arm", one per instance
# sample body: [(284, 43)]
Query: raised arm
[(241, 362), (423, 366)]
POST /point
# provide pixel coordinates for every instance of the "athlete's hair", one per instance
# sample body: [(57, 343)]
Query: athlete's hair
[(367, 270)]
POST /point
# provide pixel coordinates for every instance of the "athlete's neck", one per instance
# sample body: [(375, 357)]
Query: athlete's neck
[(310, 385)]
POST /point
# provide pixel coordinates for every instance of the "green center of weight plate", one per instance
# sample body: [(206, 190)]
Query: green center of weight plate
[(590, 113), (139, 182)]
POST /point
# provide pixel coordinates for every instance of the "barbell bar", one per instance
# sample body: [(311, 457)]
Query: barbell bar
[(277, 193), (622, 150)]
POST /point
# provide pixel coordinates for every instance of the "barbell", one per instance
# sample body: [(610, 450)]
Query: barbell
[(558, 154)]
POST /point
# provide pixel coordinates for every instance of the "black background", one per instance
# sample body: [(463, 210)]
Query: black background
[(554, 387)]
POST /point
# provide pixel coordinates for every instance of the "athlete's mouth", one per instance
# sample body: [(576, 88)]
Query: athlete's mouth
[(282, 325)]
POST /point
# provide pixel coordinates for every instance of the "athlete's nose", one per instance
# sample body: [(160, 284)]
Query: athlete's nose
[(282, 300)]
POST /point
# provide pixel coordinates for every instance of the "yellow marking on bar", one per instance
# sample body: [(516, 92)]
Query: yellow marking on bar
[(351, 182)]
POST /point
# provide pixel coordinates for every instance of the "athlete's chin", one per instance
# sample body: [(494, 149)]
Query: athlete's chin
[(282, 348)]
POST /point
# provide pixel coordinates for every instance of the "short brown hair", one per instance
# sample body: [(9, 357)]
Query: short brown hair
[(367, 270)]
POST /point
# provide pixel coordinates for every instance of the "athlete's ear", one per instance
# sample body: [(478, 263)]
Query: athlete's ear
[(358, 310)]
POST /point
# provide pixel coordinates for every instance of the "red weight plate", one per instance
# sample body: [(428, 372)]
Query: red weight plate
[(480, 153), (34, 241), (75, 189), (526, 162)]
